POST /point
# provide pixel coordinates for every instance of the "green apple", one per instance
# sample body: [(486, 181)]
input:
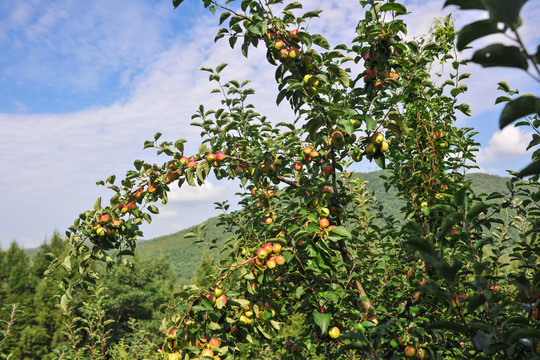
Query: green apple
[(334, 332)]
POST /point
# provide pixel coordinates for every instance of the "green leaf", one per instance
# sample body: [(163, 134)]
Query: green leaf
[(467, 4), (518, 108), (506, 11), (398, 8), (97, 204), (153, 209), (176, 3), (293, 5), (63, 302), (474, 31), (66, 264), (531, 169), (320, 40), (322, 321), (341, 230), (220, 67), (501, 55), (224, 16)]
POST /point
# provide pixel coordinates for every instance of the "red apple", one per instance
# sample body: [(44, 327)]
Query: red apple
[(103, 219), (276, 248), (183, 160), (222, 299), (410, 351), (284, 53), (324, 223), (293, 52), (214, 343), (269, 221), (192, 163), (328, 170), (262, 253), (220, 156), (297, 166), (279, 44), (271, 263), (280, 260)]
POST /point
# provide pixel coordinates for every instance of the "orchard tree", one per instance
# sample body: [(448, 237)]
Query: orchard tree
[(309, 239)]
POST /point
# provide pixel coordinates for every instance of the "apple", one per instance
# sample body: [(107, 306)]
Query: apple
[(262, 253), (192, 163), (279, 44), (393, 75), (138, 193), (174, 356), (370, 74), (214, 343), (268, 247), (276, 248), (293, 52), (324, 212), (294, 32), (324, 223), (410, 273), (307, 59), (217, 291), (210, 157), (151, 189), (297, 166), (238, 169), (280, 260), (384, 146), (183, 160), (334, 332), (439, 134), (337, 139), (370, 149), (100, 231), (269, 221), (211, 297), (307, 78), (421, 353), (284, 53), (270, 169), (410, 351), (103, 219), (116, 222), (271, 263), (377, 138), (307, 150), (244, 320), (443, 145), (207, 353), (328, 170), (222, 299), (220, 156)]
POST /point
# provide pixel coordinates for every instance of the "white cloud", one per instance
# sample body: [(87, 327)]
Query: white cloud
[(507, 143), (207, 192)]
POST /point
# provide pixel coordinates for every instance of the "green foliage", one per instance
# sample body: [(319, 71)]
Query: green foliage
[(445, 278)]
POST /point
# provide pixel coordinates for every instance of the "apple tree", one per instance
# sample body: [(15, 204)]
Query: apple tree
[(444, 281)]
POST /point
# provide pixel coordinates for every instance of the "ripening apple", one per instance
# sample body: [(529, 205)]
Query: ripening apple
[(297, 166), (421, 353), (280, 260), (377, 138), (210, 157), (211, 297), (328, 170), (103, 219), (214, 343), (174, 356), (324, 223), (271, 263), (207, 353), (222, 299), (220, 156), (293, 52), (294, 32), (334, 332), (284, 53), (151, 189), (183, 160), (279, 44), (410, 351), (217, 291), (307, 150), (270, 169), (314, 154), (276, 248), (439, 134), (192, 164), (262, 253), (238, 169), (384, 146), (116, 222), (268, 221)]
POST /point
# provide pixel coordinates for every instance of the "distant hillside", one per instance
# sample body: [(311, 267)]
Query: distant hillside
[(185, 256)]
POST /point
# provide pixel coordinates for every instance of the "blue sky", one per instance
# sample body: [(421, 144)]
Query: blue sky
[(82, 87)]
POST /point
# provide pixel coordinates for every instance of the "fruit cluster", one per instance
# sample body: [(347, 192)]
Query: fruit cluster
[(376, 146), (271, 254)]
